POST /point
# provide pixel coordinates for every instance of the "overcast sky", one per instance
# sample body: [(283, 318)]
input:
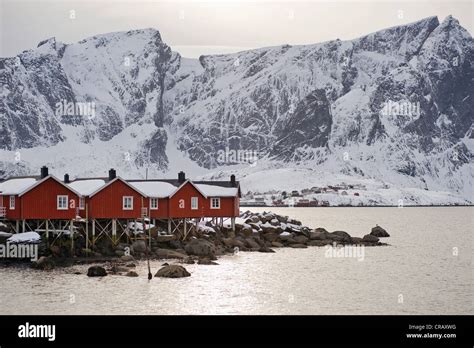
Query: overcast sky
[(205, 27)]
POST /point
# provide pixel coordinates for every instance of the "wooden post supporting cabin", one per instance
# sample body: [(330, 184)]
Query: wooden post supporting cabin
[(232, 222), (71, 231), (23, 226), (17, 225), (114, 231), (87, 230), (93, 232), (47, 232), (169, 226), (185, 229)]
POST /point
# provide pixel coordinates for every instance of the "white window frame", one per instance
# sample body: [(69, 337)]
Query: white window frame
[(82, 203), (59, 201), (124, 199), (194, 200), (215, 199), (153, 206), (12, 200)]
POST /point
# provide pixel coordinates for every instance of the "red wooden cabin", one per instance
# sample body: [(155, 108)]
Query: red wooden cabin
[(38, 198), (196, 199), (117, 200)]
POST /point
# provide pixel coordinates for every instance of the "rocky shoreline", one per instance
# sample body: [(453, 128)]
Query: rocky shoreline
[(257, 232)]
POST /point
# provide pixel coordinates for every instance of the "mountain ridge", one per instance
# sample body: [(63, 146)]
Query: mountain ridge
[(295, 106)]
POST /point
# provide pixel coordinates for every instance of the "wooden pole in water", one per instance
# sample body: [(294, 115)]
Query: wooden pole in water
[(149, 242)]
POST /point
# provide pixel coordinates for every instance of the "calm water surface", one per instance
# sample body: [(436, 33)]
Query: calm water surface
[(427, 269)]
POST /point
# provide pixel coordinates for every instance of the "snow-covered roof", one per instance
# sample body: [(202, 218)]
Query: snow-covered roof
[(217, 191), (16, 186), (157, 189), (86, 187), (118, 178)]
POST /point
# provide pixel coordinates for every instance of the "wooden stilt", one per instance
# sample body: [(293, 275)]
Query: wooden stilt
[(23, 226), (185, 229), (93, 232), (169, 226), (114, 231), (87, 231), (71, 231), (17, 226), (47, 232)]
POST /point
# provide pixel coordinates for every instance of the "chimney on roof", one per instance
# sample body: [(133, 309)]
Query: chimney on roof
[(44, 172), (232, 180), (112, 174), (66, 179), (181, 177)]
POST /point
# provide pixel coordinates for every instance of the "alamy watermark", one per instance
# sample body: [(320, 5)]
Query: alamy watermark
[(67, 108), (228, 156), (19, 251), (28, 330), (345, 251), (400, 108)]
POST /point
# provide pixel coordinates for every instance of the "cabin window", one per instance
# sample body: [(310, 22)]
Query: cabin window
[(12, 202), (153, 203), (82, 203), (215, 203), (194, 203), (127, 203), (62, 202)]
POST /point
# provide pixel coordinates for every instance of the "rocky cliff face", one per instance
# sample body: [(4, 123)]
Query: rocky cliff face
[(394, 105)]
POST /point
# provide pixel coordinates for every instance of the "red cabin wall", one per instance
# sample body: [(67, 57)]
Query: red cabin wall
[(15, 213), (107, 203), (227, 209), (41, 202), (162, 211), (185, 193)]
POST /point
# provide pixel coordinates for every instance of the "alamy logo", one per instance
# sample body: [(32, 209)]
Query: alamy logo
[(401, 108), (37, 331), (19, 251), (345, 251), (228, 156), (85, 109)]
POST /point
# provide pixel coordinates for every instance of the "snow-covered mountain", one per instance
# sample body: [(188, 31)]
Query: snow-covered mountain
[(393, 108)]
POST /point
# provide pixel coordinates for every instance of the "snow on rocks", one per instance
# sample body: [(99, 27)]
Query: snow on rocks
[(27, 237), (282, 231)]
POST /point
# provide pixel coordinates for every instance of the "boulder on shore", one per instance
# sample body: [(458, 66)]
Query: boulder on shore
[(131, 274), (206, 261), (200, 247), (44, 263), (266, 249), (172, 271), (370, 238), (378, 231), (298, 246), (169, 254), (139, 246), (344, 236), (96, 271), (127, 258)]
